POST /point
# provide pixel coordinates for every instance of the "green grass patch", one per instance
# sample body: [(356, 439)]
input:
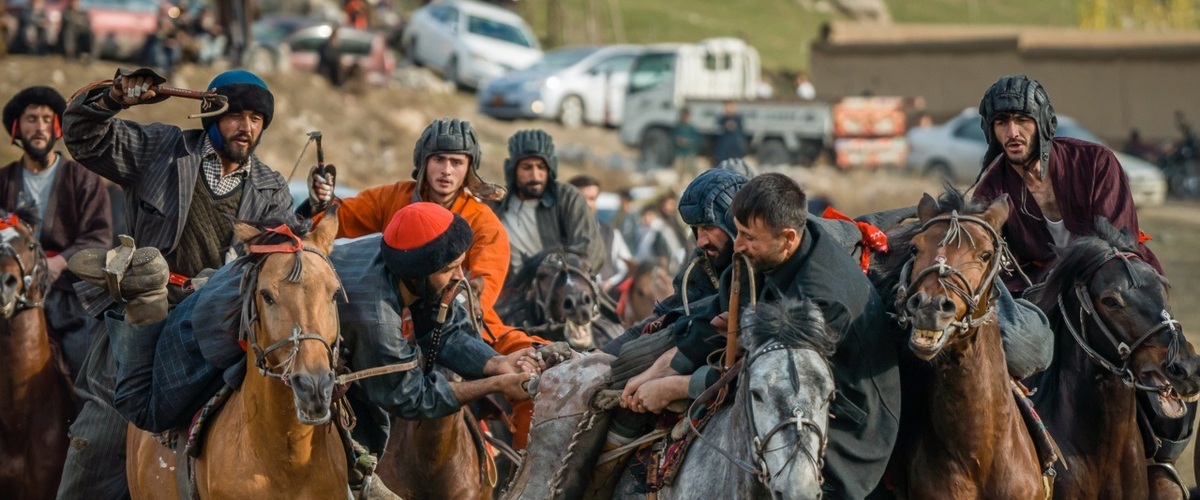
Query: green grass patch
[(1014, 12)]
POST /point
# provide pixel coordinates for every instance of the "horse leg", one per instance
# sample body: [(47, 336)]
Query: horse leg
[(150, 465)]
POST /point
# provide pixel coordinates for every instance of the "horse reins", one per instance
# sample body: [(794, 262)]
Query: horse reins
[(23, 302), (1125, 351), (564, 269), (250, 318), (948, 275)]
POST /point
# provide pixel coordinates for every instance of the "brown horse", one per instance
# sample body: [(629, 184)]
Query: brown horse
[(35, 393), (435, 459), (273, 438), (1114, 337), (648, 285), (965, 437)]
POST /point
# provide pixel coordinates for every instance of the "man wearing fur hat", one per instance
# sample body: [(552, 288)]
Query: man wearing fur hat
[(183, 187), (539, 212), (71, 203), (446, 162)]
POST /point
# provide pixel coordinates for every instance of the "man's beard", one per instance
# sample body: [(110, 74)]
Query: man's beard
[(422, 288), (723, 258), (1025, 161), (230, 154), (40, 155), (532, 190)]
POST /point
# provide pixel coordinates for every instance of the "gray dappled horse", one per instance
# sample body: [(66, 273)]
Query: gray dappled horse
[(555, 296), (768, 442)]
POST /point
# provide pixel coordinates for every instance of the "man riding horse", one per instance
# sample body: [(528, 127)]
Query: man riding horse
[(411, 266), (72, 205), (539, 212), (183, 188), (1056, 188), (446, 163)]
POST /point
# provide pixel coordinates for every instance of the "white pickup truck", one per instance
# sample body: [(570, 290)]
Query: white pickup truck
[(702, 77)]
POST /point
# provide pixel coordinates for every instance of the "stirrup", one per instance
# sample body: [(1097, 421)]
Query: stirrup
[(1173, 474)]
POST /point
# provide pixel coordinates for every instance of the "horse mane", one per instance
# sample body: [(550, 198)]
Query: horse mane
[(885, 273), (28, 214), (791, 322), (1078, 257), (528, 271)]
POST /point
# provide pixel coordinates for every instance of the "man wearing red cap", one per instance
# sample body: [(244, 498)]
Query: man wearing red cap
[(70, 201), (419, 254), (183, 188)]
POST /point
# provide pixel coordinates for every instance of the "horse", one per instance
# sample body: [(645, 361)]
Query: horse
[(435, 459), (555, 295), (1115, 336), (768, 443), (963, 435), (647, 285), (36, 404), (274, 437)]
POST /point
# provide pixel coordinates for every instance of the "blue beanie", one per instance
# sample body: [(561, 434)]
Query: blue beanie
[(245, 91)]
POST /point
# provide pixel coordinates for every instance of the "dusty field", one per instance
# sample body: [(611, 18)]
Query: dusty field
[(370, 136)]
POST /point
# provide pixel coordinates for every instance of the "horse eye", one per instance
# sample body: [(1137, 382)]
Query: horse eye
[(266, 296), (1110, 302), (986, 256), (757, 396)]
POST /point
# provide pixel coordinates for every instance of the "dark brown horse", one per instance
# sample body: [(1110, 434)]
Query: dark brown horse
[(1114, 336), (434, 459), (554, 295), (35, 394), (648, 284), (963, 435)]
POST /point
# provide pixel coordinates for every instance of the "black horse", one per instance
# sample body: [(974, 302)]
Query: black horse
[(555, 295)]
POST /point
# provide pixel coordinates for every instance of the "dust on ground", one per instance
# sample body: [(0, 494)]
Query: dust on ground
[(370, 136)]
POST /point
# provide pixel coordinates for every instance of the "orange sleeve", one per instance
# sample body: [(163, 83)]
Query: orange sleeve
[(489, 254), (369, 211)]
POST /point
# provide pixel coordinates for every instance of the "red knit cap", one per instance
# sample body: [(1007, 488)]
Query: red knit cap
[(422, 238)]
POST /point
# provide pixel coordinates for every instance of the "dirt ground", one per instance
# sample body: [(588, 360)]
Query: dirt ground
[(370, 135)]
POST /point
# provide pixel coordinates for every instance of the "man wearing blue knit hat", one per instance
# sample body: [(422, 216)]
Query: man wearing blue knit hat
[(182, 190)]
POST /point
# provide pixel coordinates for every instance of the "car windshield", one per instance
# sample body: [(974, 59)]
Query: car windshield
[(1074, 131), (560, 59), (492, 28), (651, 70)]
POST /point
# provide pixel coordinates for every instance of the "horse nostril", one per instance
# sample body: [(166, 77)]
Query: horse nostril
[(946, 305), (9, 282), (916, 301), (568, 304), (586, 300)]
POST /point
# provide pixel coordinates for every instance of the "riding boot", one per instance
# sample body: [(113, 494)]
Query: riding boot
[(607, 474)]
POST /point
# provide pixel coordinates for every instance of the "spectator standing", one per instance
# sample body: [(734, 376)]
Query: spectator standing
[(687, 146), (804, 88), (76, 37), (731, 138)]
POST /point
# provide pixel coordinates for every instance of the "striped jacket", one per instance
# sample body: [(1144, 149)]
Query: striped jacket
[(158, 165)]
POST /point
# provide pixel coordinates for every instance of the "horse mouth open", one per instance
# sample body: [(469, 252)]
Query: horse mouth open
[(925, 344), (1167, 402), (8, 308), (579, 335), (312, 417)]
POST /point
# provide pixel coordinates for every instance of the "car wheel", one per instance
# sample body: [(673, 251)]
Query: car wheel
[(810, 151), (410, 52), (570, 113), (939, 169), (773, 152), (658, 148)]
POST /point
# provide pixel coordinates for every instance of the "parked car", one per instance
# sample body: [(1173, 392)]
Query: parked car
[(270, 54), (955, 150), (368, 50), (574, 86), (469, 42)]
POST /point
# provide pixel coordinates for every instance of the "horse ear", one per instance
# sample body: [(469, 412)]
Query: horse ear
[(997, 213), (927, 209), (245, 232), (326, 230)]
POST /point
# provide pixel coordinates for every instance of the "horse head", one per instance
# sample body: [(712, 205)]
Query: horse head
[(649, 285), (23, 272), (290, 318), (559, 285), (944, 289), (786, 386), (1116, 306)]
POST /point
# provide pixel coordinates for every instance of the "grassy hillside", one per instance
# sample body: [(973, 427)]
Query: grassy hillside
[(1037, 12)]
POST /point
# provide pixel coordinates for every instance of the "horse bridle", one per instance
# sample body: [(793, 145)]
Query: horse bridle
[(799, 419), (250, 318), (1125, 351), (23, 302), (948, 275), (564, 268)]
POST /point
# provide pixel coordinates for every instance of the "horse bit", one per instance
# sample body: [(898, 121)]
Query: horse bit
[(564, 269), (250, 310), (8, 232), (1125, 351), (947, 274)]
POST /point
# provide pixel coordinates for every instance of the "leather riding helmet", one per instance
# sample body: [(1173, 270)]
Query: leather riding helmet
[(1018, 94), (530, 143), (451, 135)]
